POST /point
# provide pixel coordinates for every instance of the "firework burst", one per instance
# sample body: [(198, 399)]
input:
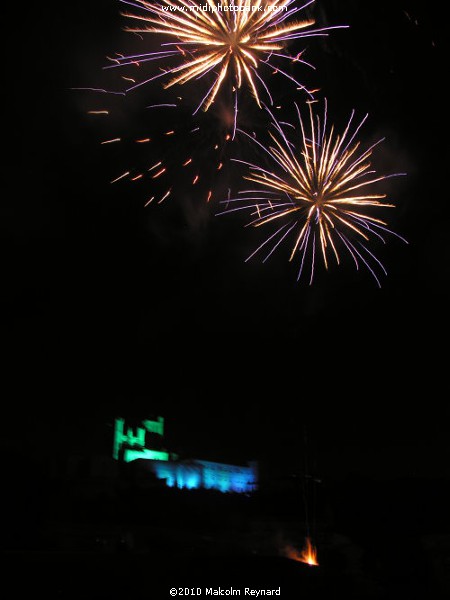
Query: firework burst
[(318, 193), (230, 40)]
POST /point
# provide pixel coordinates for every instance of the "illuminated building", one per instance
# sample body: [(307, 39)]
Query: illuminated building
[(130, 444), (133, 444)]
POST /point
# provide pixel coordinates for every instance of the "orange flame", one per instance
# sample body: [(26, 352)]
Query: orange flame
[(308, 555)]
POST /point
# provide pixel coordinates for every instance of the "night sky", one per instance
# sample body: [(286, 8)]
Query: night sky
[(112, 308)]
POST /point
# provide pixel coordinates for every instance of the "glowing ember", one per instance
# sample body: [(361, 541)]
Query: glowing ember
[(308, 555)]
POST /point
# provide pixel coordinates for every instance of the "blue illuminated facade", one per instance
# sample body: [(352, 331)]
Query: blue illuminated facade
[(130, 444), (208, 475)]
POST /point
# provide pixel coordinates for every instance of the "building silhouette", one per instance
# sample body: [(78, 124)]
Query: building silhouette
[(144, 442)]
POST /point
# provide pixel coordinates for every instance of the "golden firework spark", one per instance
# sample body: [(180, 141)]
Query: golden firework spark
[(319, 192), (230, 39)]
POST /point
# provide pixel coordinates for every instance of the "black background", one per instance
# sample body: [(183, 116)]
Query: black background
[(111, 307)]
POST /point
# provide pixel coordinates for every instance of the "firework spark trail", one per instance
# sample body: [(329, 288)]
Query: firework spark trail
[(169, 150), (318, 192), (232, 44)]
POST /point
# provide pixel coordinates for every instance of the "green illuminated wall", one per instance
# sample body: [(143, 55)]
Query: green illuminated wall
[(147, 454), (155, 426), (135, 442)]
